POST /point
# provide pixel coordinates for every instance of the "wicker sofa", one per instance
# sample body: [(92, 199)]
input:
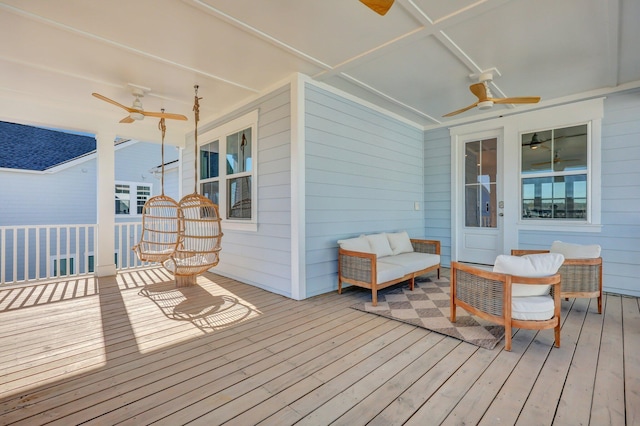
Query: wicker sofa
[(379, 260)]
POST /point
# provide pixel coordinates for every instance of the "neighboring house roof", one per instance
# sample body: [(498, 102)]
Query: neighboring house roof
[(33, 148)]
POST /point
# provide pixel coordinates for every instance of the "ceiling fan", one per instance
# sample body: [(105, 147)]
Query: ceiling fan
[(136, 112), (486, 99), (381, 7), (536, 142)]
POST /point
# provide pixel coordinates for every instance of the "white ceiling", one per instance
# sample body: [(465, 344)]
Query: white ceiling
[(415, 61)]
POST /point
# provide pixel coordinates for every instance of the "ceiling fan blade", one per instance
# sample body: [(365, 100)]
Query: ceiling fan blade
[(127, 119), (381, 7), (111, 101), (480, 90), (164, 115), (467, 108), (518, 100)]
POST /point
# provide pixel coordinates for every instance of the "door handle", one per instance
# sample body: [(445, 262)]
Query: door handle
[(500, 214)]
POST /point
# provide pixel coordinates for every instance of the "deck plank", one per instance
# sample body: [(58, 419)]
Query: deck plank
[(631, 336), (608, 399)]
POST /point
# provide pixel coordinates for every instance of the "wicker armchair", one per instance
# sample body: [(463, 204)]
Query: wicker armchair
[(580, 277), (488, 295)]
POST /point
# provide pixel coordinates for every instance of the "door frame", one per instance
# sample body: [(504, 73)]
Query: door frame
[(507, 235)]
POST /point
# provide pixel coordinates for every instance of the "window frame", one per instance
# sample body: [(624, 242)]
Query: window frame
[(553, 174), (220, 134), (133, 196), (586, 112)]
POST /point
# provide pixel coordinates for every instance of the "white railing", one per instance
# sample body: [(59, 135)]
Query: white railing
[(39, 252)]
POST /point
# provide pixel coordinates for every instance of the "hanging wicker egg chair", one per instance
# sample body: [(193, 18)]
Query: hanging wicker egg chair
[(200, 233), (160, 222), (200, 237)]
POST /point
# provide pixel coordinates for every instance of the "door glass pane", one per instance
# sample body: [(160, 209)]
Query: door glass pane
[(480, 183)]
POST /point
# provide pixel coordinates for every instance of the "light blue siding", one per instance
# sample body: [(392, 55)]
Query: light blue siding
[(364, 172), (437, 184), (261, 258)]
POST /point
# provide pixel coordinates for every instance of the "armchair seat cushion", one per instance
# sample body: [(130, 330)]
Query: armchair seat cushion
[(532, 308), (411, 262)]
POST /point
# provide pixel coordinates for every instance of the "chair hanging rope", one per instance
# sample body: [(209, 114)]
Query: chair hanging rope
[(160, 222), (200, 233)]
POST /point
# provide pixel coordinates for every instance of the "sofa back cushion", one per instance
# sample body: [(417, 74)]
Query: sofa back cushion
[(531, 265), (400, 242), (576, 251), (360, 244), (379, 244)]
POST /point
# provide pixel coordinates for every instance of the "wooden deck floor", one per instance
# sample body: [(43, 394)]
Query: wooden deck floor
[(136, 350)]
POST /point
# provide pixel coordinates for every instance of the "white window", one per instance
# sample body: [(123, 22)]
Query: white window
[(130, 197), (227, 172), (554, 174)]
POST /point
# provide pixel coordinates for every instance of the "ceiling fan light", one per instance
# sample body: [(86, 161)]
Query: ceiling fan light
[(485, 104), (136, 115)]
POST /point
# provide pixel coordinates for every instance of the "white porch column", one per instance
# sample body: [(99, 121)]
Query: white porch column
[(105, 163)]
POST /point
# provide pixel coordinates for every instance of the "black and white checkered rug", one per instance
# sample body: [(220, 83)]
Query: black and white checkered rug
[(427, 306)]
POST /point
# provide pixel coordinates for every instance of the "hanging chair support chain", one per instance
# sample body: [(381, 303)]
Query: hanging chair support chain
[(196, 110), (163, 129)]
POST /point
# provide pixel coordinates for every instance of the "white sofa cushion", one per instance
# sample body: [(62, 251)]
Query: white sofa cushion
[(400, 242), (531, 265), (388, 271), (360, 244), (532, 308), (412, 262), (379, 244), (576, 251)]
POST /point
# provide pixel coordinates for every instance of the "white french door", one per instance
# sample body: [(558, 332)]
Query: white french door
[(478, 200)]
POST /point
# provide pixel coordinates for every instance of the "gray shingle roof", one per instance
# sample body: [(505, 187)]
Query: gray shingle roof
[(33, 148)]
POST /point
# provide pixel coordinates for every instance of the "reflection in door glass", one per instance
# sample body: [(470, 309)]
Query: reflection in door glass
[(480, 183)]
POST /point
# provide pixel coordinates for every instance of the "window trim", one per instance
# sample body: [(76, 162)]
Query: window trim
[(133, 196), (587, 112), (220, 133)]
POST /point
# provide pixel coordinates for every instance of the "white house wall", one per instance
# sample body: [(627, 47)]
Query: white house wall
[(364, 174), (261, 258)]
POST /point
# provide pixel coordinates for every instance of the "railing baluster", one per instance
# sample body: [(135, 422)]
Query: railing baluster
[(54, 243)]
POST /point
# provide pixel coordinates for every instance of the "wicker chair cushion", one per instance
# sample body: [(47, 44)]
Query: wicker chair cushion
[(576, 251), (360, 244), (411, 262), (531, 265), (400, 242), (532, 308), (379, 244)]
